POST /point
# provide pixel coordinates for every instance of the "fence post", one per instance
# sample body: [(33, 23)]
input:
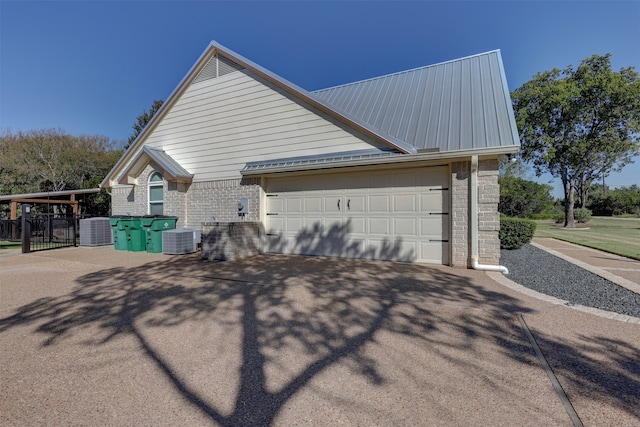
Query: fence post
[(75, 230), (26, 228)]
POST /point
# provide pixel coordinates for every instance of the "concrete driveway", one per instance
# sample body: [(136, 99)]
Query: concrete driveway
[(94, 336)]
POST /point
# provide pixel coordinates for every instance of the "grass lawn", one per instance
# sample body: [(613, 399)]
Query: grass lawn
[(616, 235)]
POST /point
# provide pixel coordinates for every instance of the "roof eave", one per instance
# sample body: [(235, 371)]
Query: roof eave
[(407, 158)]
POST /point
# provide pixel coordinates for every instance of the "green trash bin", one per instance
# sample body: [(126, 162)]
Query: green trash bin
[(136, 241), (154, 226), (119, 233)]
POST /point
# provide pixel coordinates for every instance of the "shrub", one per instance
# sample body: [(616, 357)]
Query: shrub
[(515, 232), (582, 215)]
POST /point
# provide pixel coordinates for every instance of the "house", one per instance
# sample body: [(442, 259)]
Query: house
[(398, 167)]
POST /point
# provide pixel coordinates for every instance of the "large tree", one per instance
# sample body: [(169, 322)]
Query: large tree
[(579, 124), (142, 120), (53, 160)]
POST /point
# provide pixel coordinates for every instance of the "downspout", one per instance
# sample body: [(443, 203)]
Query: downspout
[(474, 223)]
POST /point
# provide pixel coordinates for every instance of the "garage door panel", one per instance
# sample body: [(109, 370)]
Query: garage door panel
[(380, 226), (294, 205), (313, 222), (293, 224), (313, 205), (356, 204), (357, 225), (434, 226), (434, 252), (275, 225), (405, 203), (275, 205), (379, 203), (405, 226), (355, 248), (333, 204), (434, 201)]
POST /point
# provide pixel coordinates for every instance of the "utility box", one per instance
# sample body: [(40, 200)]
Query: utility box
[(243, 207), (180, 241), (95, 232)]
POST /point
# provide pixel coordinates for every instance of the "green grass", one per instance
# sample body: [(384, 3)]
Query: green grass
[(611, 234), (9, 245)]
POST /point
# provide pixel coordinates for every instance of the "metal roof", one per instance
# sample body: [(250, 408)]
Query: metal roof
[(457, 105), (46, 194), (172, 169), (334, 158)]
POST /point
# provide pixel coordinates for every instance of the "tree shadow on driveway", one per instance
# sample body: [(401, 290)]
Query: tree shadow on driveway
[(285, 320)]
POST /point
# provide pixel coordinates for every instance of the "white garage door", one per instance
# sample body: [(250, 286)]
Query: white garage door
[(400, 215)]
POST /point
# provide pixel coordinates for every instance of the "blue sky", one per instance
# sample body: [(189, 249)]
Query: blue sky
[(92, 67)]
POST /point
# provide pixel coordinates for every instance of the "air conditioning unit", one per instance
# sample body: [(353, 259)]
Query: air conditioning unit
[(95, 232), (180, 241)]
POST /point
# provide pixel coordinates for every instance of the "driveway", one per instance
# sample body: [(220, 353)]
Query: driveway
[(94, 336)]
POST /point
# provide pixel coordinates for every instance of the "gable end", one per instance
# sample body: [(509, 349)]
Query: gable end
[(217, 66)]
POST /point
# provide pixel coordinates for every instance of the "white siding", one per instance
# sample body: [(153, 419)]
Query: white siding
[(218, 125)]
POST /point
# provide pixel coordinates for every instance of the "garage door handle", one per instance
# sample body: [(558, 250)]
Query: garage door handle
[(349, 204), (338, 204)]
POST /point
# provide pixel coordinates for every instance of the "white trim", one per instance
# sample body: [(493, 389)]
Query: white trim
[(154, 184)]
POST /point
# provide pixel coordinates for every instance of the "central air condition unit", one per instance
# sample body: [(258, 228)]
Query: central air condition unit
[(180, 241), (95, 232)]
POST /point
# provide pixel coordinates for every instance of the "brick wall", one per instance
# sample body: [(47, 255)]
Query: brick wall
[(231, 240), (217, 201), (192, 203)]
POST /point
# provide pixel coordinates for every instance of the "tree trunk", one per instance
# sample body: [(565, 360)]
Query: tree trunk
[(569, 220)]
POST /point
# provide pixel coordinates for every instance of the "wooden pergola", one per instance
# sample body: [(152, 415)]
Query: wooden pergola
[(66, 197)]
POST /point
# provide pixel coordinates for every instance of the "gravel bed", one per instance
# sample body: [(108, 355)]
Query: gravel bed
[(539, 270)]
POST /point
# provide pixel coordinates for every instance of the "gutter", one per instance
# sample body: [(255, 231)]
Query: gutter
[(474, 223)]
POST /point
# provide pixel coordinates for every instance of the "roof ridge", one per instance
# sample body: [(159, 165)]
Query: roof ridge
[(397, 73)]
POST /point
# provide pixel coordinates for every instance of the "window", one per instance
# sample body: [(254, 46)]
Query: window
[(155, 194)]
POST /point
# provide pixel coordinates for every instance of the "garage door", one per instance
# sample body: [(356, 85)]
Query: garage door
[(400, 215)]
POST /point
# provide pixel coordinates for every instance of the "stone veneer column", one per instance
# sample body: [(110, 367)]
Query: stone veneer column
[(459, 240), (488, 216)]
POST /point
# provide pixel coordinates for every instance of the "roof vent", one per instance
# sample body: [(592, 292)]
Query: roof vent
[(216, 67)]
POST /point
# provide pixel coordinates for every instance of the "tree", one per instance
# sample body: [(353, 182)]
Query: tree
[(619, 201), (53, 160), (142, 120), (579, 124), (523, 198)]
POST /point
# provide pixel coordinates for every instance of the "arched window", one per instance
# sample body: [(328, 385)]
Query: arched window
[(155, 194)]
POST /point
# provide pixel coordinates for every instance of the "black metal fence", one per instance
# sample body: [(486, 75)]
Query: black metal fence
[(43, 231), (9, 230), (49, 231)]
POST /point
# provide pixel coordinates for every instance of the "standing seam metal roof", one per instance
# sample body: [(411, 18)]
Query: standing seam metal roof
[(456, 105)]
